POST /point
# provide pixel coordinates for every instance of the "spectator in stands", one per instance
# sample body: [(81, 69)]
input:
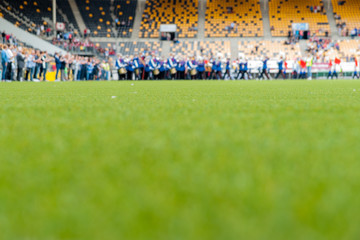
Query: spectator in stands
[(48, 30), (3, 35)]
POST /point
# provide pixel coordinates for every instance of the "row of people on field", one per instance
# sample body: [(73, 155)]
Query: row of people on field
[(151, 67), (27, 64)]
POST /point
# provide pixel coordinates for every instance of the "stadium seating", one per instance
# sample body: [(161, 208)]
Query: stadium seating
[(96, 17), (125, 13), (349, 12), (283, 13), (245, 14), (183, 13), (131, 48), (204, 48), (32, 13), (269, 48), (347, 49)]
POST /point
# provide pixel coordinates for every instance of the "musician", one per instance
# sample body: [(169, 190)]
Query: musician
[(138, 66), (148, 70), (171, 63), (264, 68), (281, 68), (213, 68), (180, 68), (208, 69), (241, 72), (201, 69), (120, 65), (191, 68), (162, 68), (332, 69), (356, 75), (228, 69), (129, 68), (218, 69), (154, 66)]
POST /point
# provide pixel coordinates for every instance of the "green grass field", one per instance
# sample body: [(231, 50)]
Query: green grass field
[(180, 160)]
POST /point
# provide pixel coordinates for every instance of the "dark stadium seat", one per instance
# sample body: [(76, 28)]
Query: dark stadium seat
[(283, 13), (36, 12), (97, 17), (202, 48), (131, 48), (125, 13), (244, 14), (183, 13)]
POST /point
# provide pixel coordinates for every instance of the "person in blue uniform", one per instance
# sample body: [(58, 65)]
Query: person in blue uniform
[(171, 63), (120, 65), (181, 68), (138, 66), (200, 69), (162, 68), (228, 69), (218, 69), (281, 68), (130, 69), (264, 69)]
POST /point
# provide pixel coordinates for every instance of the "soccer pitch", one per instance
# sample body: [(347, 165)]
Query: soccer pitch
[(180, 160)]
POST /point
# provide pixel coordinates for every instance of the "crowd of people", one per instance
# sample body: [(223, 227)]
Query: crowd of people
[(149, 66), (75, 44)]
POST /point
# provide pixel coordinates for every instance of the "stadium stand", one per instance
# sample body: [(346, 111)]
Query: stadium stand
[(283, 13), (233, 18), (125, 16), (269, 48), (96, 17), (347, 13), (131, 48), (204, 48), (30, 14), (183, 13)]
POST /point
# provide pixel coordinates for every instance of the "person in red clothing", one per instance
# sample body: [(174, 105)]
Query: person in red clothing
[(356, 75)]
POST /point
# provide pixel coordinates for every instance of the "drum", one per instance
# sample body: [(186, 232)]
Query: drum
[(122, 70), (193, 72), (173, 71), (156, 72)]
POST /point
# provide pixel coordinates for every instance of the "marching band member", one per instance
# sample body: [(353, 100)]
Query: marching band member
[(332, 66), (162, 68), (171, 63), (213, 68), (356, 75), (130, 68), (154, 66), (181, 68), (302, 68), (191, 68), (208, 69), (148, 70), (139, 65), (201, 69), (241, 72), (228, 69), (218, 69), (264, 68), (281, 68), (121, 67)]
